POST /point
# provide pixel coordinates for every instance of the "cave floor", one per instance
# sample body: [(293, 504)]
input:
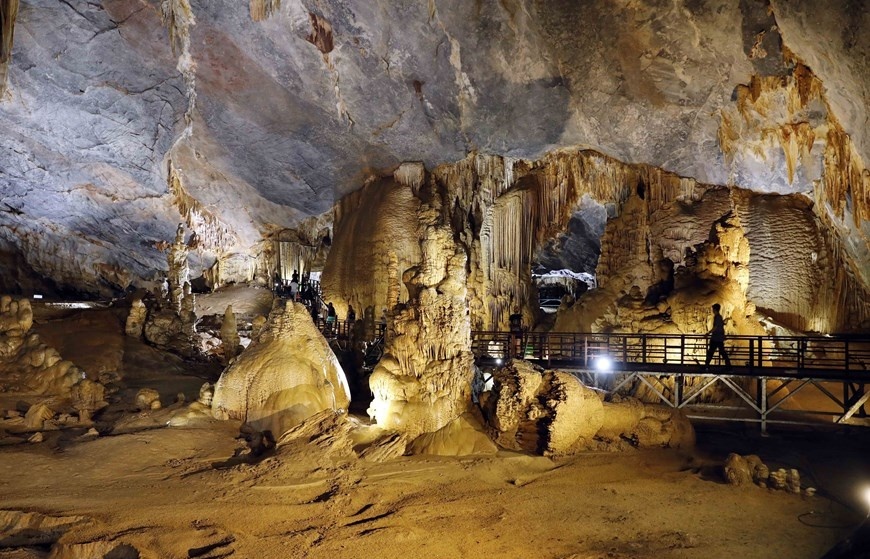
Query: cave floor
[(170, 492), (180, 493)]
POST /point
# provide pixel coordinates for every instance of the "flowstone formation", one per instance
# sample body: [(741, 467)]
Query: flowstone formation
[(423, 381), (288, 374), (553, 413), (27, 364)]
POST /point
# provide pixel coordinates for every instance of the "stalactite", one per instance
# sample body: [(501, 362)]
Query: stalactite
[(178, 19), (411, 174), (843, 300), (797, 141), (263, 9), (211, 233), (8, 14), (295, 257)]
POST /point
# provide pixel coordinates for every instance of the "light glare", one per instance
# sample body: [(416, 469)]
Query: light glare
[(603, 363), (865, 493)]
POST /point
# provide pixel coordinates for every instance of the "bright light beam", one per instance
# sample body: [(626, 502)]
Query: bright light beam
[(603, 364)]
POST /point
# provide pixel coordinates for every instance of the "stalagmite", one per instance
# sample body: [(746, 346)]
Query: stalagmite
[(88, 397), (423, 381), (136, 319), (285, 376), (229, 335), (26, 363)]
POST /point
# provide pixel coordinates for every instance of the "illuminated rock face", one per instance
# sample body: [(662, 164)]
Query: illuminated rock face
[(285, 376), (423, 381)]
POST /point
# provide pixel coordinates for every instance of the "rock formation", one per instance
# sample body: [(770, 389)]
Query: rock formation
[(553, 413), (423, 381), (148, 399), (26, 364), (230, 335), (135, 323), (88, 397), (285, 376), (172, 323)]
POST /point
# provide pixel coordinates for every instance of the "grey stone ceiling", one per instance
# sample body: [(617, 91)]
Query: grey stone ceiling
[(95, 107)]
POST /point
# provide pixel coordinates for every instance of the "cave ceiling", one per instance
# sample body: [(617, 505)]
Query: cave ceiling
[(267, 120)]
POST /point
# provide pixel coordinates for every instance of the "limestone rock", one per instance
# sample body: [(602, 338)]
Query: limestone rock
[(37, 415), (745, 470), (88, 397), (148, 399), (547, 412), (36, 438), (461, 437), (230, 340), (287, 375), (136, 319), (206, 394)]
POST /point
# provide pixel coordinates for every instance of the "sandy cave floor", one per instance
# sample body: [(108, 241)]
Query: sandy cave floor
[(178, 492)]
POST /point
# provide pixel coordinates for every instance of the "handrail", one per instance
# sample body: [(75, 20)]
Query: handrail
[(629, 351)]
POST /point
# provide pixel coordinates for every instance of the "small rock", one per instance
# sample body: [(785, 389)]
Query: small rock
[(37, 415), (11, 414), (148, 399), (810, 491), (90, 434), (36, 438)]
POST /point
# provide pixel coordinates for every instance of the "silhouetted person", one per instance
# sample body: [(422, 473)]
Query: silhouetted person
[(330, 317), (295, 276), (351, 315), (717, 337), (516, 327)]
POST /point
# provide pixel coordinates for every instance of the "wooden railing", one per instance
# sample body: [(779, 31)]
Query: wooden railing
[(752, 355)]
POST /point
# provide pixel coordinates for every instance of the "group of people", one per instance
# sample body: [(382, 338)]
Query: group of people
[(304, 291)]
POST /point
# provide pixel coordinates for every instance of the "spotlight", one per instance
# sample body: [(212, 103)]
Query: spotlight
[(498, 360), (865, 493), (603, 363)]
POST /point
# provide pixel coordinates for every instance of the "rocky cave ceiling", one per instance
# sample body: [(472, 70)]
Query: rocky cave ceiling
[(121, 118)]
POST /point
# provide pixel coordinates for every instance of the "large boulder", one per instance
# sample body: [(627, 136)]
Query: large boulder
[(549, 412), (286, 376), (553, 413)]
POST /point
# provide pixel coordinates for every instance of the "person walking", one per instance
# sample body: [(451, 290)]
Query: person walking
[(717, 338)]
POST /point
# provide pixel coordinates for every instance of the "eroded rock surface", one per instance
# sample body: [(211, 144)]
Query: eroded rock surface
[(553, 413)]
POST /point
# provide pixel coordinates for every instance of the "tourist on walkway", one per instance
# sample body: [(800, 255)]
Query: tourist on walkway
[(717, 338)]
